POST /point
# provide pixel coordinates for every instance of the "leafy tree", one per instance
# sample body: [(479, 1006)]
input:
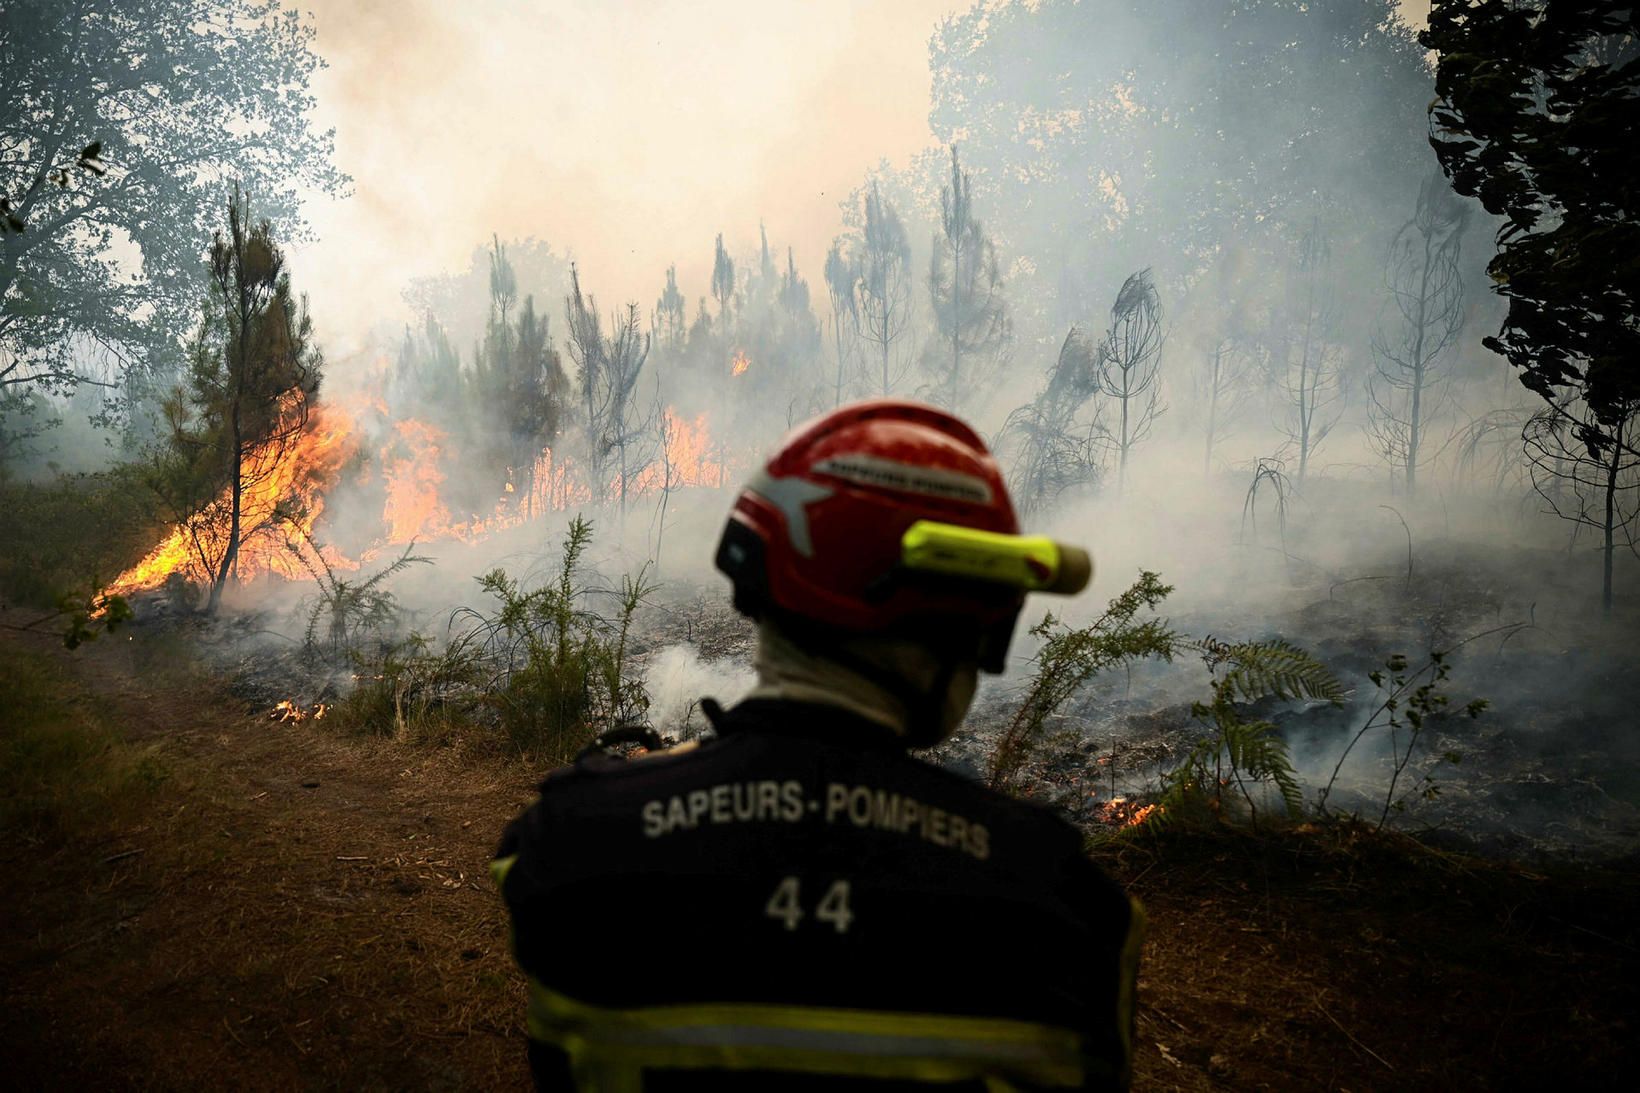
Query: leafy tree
[(427, 377), (965, 285), (1425, 315), (1169, 127), (253, 379), (166, 97), (1535, 104), (518, 387)]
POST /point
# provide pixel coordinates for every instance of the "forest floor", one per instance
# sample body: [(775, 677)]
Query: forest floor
[(200, 897)]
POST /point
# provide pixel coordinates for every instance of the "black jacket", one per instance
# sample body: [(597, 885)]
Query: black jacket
[(799, 899)]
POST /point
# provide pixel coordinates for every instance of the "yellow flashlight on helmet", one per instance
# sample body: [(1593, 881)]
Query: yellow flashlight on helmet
[(1033, 563)]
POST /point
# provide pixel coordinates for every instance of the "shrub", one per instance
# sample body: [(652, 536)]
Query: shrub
[(1069, 658), (539, 669), (1238, 753)]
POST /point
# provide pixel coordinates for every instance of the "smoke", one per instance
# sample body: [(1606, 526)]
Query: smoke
[(676, 679), (629, 140), (607, 128)]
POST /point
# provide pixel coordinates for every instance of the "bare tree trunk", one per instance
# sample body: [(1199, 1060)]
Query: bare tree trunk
[(1212, 409), (1611, 521), (1419, 371)]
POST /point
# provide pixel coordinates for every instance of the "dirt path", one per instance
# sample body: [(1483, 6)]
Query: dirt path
[(290, 910), (298, 912)]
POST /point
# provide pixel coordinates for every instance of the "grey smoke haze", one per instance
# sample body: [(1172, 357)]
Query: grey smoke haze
[(625, 133)]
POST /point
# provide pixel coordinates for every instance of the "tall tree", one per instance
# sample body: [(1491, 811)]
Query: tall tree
[(723, 279), (537, 389), (884, 286), (609, 366), (1425, 314), (965, 286), (842, 284), (253, 380), (1534, 115), (1101, 134), (175, 95), (670, 321)]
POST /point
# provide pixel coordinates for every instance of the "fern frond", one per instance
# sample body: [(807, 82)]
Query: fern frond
[(1261, 669), (1255, 749)]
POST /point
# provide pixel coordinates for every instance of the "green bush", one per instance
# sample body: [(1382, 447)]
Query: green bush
[(71, 531), (1069, 658), (539, 672), (1239, 755), (557, 668), (63, 769)]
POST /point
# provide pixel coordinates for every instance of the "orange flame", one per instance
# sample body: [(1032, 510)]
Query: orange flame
[(689, 459), (284, 495), (740, 364), (280, 483), (1125, 812), (412, 509)]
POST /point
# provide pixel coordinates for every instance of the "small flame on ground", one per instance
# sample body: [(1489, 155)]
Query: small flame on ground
[(289, 711), (1126, 812), (740, 364)]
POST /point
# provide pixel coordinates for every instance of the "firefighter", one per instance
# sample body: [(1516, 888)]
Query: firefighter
[(797, 903)]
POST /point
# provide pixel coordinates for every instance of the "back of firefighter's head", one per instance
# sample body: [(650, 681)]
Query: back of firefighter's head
[(880, 538)]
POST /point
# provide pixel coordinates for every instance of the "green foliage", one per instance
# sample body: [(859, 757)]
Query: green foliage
[(59, 534), (1531, 118), (1069, 658), (539, 669), (253, 378), (1223, 128), (168, 98), (1239, 751), (1411, 700), (93, 613), (62, 764), (558, 670), (355, 608), (415, 694)]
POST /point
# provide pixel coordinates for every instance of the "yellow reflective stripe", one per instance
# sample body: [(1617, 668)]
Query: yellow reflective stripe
[(861, 1043), (1128, 986), (501, 867)]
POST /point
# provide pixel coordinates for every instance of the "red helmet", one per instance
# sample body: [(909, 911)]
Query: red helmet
[(816, 536)]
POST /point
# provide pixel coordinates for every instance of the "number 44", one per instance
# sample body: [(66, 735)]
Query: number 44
[(786, 905)]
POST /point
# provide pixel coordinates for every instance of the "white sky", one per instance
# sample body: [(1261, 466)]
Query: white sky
[(625, 132)]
